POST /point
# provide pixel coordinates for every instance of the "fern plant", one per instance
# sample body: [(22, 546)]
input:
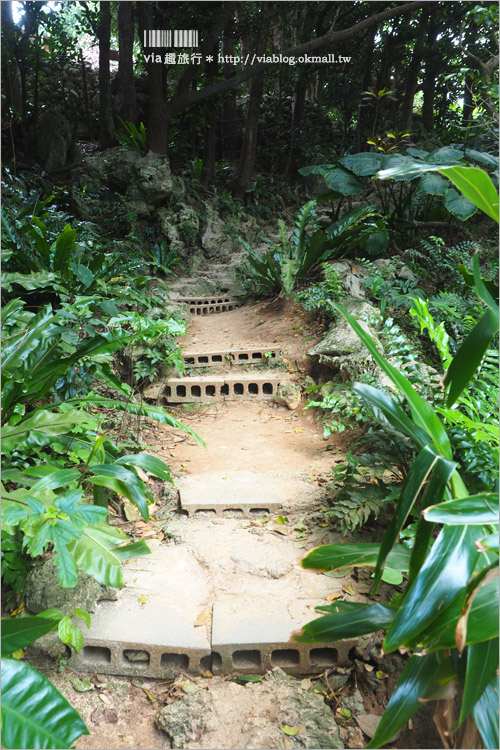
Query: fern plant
[(131, 137)]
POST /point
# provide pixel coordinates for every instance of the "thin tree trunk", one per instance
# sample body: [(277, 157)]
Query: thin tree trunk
[(231, 122), (106, 127), (246, 163), (157, 130), (85, 91), (297, 117), (366, 82), (126, 84), (413, 72), (468, 107), (431, 68), (209, 136)]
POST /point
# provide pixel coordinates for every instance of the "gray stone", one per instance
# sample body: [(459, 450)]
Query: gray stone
[(53, 141), (354, 703), (213, 240), (288, 395), (342, 350), (43, 590), (352, 282), (227, 715)]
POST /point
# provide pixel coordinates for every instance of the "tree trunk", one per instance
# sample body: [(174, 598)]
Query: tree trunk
[(157, 130), (231, 122), (431, 68), (413, 72), (468, 107), (246, 163), (366, 83), (106, 127), (126, 84), (297, 117), (210, 131)]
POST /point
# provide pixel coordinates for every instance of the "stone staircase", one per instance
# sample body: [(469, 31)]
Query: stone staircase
[(226, 591)]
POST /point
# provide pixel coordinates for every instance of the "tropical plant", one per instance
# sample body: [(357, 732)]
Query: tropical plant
[(447, 617), (312, 242), (34, 713), (132, 137)]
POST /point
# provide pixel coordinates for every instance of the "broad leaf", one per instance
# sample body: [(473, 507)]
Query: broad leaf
[(123, 481), (475, 509), (423, 414), (346, 620), (46, 422), (458, 205), (446, 571), (342, 182), (339, 556), (19, 632), (482, 665), (363, 164), (34, 713), (485, 714), (416, 679), (476, 185), (99, 553), (150, 463), (432, 184)]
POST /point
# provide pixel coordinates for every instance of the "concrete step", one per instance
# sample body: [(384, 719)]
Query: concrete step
[(208, 305), (210, 388), (248, 356), (238, 493), (220, 598)]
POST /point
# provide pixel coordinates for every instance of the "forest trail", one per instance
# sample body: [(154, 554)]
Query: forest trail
[(223, 590)]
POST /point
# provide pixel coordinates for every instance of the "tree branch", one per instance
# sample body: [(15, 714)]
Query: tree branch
[(185, 99)]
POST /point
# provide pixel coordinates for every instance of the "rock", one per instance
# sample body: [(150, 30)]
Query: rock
[(213, 240), (369, 723), (352, 282), (342, 350), (288, 395), (43, 590), (227, 715), (354, 703), (53, 140)]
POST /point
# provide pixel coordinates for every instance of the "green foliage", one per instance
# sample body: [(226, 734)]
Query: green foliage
[(445, 575), (133, 138), (318, 296), (312, 242), (34, 713)]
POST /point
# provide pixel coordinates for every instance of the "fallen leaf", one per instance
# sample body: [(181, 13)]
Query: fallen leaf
[(380, 675), (105, 699), (349, 590), (344, 713), (130, 511), (142, 474), (17, 611), (188, 687), (369, 667), (281, 520), (151, 697), (249, 678), (332, 597), (82, 686), (203, 618), (290, 731), (142, 599), (98, 680), (368, 723), (207, 673), (102, 715)]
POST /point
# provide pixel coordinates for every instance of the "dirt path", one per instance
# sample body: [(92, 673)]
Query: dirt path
[(230, 584)]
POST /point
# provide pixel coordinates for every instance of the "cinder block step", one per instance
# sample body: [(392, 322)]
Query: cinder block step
[(208, 388), (237, 493), (208, 305), (251, 356), (254, 635)]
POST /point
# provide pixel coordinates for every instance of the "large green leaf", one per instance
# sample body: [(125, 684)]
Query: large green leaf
[(482, 623), (28, 281), (482, 665), (363, 164), (444, 574), (432, 184), (458, 205), (485, 714), (99, 552), (152, 464), (56, 479), (423, 414), (289, 269), (476, 185), (44, 421), (420, 470), (467, 359), (475, 509), (392, 412), (346, 620), (19, 632), (414, 683), (34, 713), (339, 556), (123, 481), (63, 248)]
